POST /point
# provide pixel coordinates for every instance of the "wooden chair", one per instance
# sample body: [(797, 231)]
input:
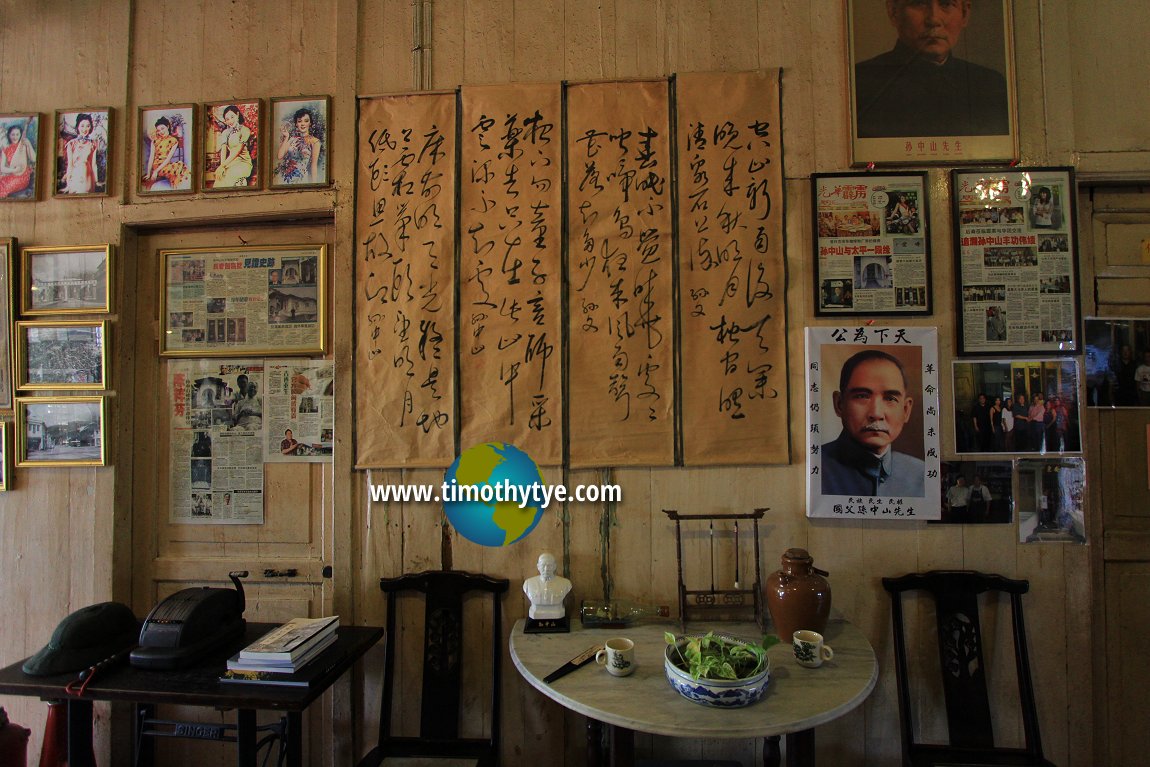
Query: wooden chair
[(968, 711), (444, 636)]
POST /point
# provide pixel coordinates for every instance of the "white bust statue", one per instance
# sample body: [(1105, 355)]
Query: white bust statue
[(546, 590)]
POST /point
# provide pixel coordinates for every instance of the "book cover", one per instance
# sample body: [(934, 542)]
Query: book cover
[(289, 641), (297, 679)]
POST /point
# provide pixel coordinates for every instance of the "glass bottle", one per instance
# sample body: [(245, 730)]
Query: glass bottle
[(617, 613)]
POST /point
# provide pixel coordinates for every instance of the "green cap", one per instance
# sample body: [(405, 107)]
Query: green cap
[(85, 638)]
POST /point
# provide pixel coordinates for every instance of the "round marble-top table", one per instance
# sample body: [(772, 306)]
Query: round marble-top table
[(797, 698)]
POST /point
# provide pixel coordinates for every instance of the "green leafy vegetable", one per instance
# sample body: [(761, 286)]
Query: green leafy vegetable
[(717, 657)]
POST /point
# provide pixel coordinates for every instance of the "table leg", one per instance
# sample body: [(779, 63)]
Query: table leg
[(246, 738), (294, 736), (80, 752), (145, 747), (772, 756), (801, 749), (595, 743), (622, 746)]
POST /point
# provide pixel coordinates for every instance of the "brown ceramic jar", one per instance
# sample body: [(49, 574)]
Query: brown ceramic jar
[(798, 595)]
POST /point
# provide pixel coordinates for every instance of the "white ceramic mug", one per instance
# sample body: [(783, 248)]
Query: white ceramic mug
[(810, 651), (618, 655)]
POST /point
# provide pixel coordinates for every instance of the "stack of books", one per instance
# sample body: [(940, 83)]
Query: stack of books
[(280, 656)]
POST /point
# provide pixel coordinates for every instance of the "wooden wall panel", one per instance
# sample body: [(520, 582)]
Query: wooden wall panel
[(127, 54)]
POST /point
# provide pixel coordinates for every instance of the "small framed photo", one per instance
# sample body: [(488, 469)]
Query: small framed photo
[(232, 145), (83, 152), (7, 317), (1017, 406), (66, 280), (167, 140), (19, 150), (5, 456), (932, 87), (977, 492), (1015, 261), (872, 247), (1051, 494), (299, 141), (62, 355), (61, 431)]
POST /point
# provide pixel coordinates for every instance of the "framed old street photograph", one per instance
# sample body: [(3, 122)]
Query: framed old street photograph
[(931, 82), (265, 300), (60, 431), (5, 456), (66, 280), (1016, 261), (872, 247), (62, 355)]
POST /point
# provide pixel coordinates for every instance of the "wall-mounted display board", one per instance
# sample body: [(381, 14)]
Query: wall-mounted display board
[(511, 269), (405, 277), (872, 244), (649, 350), (267, 300), (732, 279), (1016, 258)]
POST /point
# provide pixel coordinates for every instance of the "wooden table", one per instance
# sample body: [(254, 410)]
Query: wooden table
[(197, 685), (797, 700)]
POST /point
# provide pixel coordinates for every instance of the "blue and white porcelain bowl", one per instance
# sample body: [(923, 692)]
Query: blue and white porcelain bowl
[(722, 693)]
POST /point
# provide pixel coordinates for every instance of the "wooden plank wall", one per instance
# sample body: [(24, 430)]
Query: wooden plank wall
[(67, 533)]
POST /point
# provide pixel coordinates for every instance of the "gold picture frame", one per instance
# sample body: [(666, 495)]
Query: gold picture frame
[(213, 300), (74, 279), (5, 457), (8, 248), (232, 154), (61, 431), (64, 356)]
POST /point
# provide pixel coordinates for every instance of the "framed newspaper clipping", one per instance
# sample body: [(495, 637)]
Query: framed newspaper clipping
[(264, 301), (872, 248), (1016, 261)]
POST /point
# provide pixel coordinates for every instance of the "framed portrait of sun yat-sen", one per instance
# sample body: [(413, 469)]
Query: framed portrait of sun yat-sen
[(931, 83), (61, 431), (268, 300)]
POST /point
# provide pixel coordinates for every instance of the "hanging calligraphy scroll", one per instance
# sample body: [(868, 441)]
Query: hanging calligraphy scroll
[(621, 383), (732, 280), (510, 269), (405, 321)]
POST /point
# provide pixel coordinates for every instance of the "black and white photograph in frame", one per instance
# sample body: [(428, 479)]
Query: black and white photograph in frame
[(66, 280), (60, 431), (873, 423), (62, 354)]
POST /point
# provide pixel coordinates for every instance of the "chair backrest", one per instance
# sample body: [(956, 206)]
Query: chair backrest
[(960, 646), (443, 648)]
